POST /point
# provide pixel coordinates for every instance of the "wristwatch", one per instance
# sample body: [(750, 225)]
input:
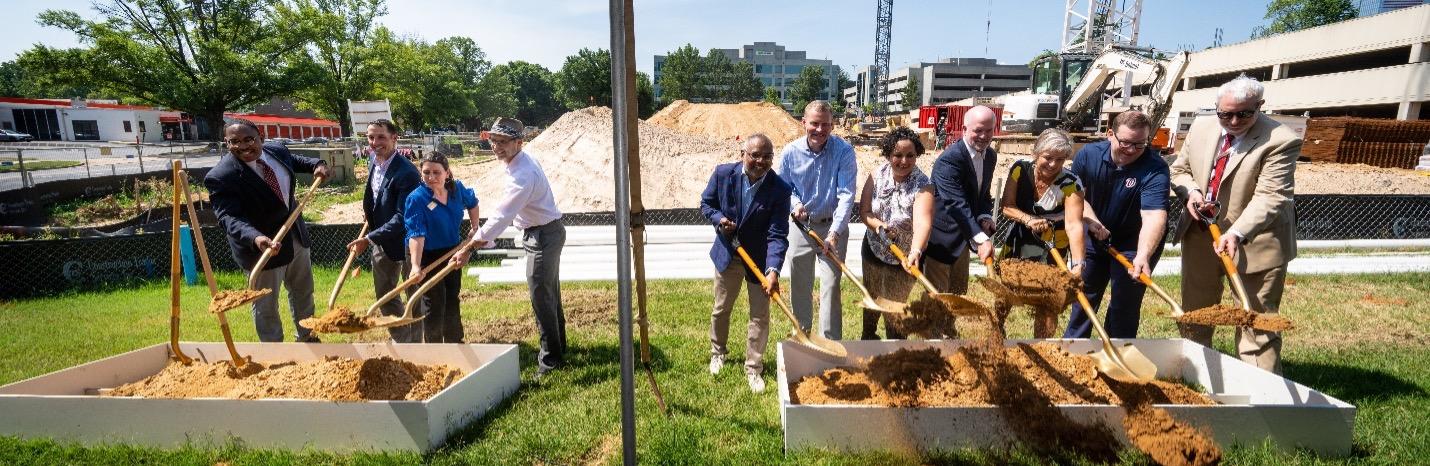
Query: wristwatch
[(1073, 263)]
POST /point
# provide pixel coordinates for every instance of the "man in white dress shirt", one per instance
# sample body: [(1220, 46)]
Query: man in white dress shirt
[(526, 202)]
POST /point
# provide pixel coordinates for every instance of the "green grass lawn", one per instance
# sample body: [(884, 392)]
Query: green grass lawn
[(1364, 339), (34, 165)]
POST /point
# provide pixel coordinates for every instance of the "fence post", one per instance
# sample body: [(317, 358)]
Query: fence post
[(186, 254), (24, 176), (86, 163), (139, 148)]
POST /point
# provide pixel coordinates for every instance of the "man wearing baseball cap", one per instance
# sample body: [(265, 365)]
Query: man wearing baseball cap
[(526, 202)]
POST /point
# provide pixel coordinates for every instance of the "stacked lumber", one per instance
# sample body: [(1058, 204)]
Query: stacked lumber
[(1375, 142)]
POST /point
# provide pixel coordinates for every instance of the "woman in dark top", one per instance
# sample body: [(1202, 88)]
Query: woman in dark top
[(1040, 196), (433, 217)]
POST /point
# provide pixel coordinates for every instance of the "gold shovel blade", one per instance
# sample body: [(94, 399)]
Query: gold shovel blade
[(392, 321), (1139, 369), (887, 306), (228, 300), (961, 306)]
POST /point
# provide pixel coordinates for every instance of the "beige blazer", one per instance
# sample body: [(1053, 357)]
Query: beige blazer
[(1256, 188)]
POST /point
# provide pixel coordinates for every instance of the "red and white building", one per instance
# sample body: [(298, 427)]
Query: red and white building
[(108, 120)]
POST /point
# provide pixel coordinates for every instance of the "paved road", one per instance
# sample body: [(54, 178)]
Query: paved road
[(682, 252)]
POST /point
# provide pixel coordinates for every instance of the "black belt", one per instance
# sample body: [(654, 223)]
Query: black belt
[(544, 225)]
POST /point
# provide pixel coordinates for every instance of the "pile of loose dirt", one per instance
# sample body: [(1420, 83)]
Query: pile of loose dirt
[(730, 121), (576, 154), (332, 378), (230, 299), (1224, 315), (339, 320), (1168, 441), (927, 318), (904, 372), (1346, 178)]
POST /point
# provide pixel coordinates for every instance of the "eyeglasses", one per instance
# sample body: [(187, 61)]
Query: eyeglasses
[(246, 140), (1244, 114), (1134, 146), (760, 155)]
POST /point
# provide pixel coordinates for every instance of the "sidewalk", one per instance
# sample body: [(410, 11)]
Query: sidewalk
[(683, 252)]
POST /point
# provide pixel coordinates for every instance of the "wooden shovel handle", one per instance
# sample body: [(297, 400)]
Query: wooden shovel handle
[(765, 282), (343, 274), (174, 273), (899, 254), (413, 280), (199, 236), (1107, 346), (282, 232)]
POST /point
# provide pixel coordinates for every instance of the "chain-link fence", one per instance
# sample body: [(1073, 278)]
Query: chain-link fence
[(34, 268)]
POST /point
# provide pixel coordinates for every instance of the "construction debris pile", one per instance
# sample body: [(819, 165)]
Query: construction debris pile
[(726, 122), (331, 378)]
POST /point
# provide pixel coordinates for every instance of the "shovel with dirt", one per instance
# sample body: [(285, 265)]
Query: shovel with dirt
[(1146, 280), (1125, 364), (1232, 316), (226, 300), (811, 341), (374, 318), (181, 183), (339, 319), (883, 305), (954, 303)]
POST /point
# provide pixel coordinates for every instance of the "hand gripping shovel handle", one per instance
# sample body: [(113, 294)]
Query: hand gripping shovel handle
[(372, 310), (278, 239), (1146, 280), (899, 253), (343, 275), (1226, 263)]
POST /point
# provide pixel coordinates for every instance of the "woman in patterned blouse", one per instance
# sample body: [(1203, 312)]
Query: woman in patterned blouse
[(898, 201)]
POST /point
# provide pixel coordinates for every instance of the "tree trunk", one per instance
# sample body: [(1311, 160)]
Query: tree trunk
[(344, 119), (213, 120)]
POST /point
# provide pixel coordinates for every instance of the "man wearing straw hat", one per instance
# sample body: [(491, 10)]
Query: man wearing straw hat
[(251, 190), (526, 202)]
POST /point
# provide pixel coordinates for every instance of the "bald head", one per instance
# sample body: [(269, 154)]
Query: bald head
[(757, 156), (978, 126)]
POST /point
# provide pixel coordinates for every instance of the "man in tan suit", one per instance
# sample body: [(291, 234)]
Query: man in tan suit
[(1240, 174)]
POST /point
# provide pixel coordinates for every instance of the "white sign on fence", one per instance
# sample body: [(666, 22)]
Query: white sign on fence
[(362, 112)]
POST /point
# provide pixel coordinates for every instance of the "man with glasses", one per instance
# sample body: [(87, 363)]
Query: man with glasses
[(747, 205), (1240, 174), (391, 177), (526, 202), (1125, 206), (251, 190)]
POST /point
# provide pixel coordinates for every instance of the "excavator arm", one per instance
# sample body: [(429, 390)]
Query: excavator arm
[(1115, 61)]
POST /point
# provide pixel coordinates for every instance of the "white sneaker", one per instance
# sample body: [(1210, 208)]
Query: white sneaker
[(716, 362), (757, 383)]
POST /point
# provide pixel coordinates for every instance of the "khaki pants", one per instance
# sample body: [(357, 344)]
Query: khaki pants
[(1202, 274), (948, 278), (757, 333)]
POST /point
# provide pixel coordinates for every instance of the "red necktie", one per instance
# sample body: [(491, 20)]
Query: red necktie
[(271, 179), (1219, 166)]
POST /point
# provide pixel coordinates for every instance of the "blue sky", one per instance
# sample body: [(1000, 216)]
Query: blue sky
[(546, 31)]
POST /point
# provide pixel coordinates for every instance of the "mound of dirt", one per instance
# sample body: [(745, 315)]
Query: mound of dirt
[(332, 378), (927, 318), (576, 154), (339, 320), (1223, 315), (1355, 178), (906, 371), (727, 122)]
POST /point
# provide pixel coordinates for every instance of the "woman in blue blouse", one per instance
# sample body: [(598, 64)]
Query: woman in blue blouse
[(434, 219)]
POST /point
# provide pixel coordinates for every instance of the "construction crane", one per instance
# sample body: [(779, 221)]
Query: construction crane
[(883, 31)]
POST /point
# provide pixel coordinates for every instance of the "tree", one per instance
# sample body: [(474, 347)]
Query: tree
[(341, 49), (913, 96), (491, 98), (772, 96), (534, 90), (680, 75), (722, 80), (810, 83), (1295, 15), (645, 96), (423, 84), (201, 57), (585, 79)]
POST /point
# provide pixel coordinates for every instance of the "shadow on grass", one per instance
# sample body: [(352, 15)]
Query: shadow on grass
[(1355, 385)]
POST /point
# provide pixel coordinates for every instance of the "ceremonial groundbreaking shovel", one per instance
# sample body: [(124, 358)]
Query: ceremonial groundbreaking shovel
[(868, 301), (1126, 366), (814, 342)]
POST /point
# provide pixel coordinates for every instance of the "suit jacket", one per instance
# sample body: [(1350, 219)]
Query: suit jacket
[(1256, 187), (247, 208), (959, 199), (383, 207), (763, 231)]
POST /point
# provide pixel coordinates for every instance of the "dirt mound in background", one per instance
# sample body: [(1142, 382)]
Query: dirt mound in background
[(576, 154), (332, 378), (1355, 178), (727, 122)]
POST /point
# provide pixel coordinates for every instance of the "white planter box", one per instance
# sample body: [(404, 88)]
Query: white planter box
[(1258, 405), (63, 406)]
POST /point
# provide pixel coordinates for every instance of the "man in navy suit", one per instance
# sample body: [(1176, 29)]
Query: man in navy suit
[(252, 194), (391, 177), (963, 207), (745, 200)]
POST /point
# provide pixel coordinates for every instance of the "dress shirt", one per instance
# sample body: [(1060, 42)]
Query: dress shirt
[(525, 202), (823, 181), (748, 190), (280, 171), (977, 158)]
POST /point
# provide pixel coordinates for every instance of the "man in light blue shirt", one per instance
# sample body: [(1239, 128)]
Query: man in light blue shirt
[(821, 168)]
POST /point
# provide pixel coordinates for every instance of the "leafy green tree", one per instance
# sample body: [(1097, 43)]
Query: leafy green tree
[(680, 75), (340, 46), (645, 96), (772, 96), (423, 83), (810, 83), (534, 91), (722, 80), (491, 98), (1295, 15), (198, 57), (913, 96), (585, 79)]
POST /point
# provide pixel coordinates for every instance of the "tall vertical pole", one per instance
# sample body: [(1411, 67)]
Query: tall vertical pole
[(622, 97)]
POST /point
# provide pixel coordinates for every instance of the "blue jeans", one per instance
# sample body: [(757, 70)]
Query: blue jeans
[(1124, 308)]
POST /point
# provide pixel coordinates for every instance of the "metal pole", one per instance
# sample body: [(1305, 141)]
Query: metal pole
[(24, 176), (139, 148), (86, 163), (622, 34)]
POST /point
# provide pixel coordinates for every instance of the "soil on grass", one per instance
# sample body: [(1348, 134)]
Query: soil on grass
[(230, 299), (1223, 315), (339, 320), (331, 378)]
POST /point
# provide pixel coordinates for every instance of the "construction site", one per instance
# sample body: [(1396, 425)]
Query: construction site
[(169, 370)]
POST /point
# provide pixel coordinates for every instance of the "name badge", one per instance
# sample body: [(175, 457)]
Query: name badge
[(431, 205)]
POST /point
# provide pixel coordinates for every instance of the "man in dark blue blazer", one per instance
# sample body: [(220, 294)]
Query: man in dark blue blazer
[(391, 177), (963, 207), (748, 202), (251, 190)]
